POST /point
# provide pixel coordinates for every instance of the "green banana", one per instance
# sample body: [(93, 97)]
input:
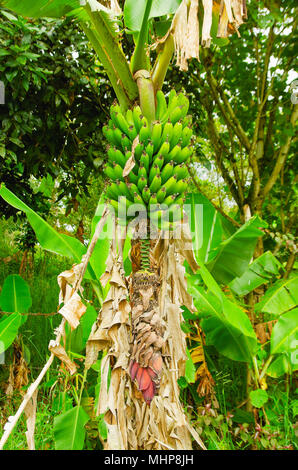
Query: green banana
[(146, 194), (142, 182), (181, 172), (154, 171), (124, 191), (156, 135), (161, 107), (167, 171), (137, 117), (115, 155), (145, 161), (160, 195), (139, 148), (155, 185), (153, 199), (144, 133), (177, 132), (142, 171), (171, 185), (183, 155), (164, 149), (181, 186), (176, 114), (129, 118), (121, 123), (172, 155), (159, 161), (186, 136), (138, 199), (149, 150), (167, 132)]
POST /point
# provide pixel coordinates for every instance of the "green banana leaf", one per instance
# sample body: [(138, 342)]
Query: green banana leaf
[(280, 366), (47, 236), (134, 11), (9, 327), (69, 429), (15, 297), (259, 272), (46, 8), (284, 337), (234, 254), (280, 297), (226, 252), (225, 324)]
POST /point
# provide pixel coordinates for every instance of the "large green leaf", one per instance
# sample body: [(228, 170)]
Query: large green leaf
[(47, 236), (9, 327), (259, 272), (227, 252), (234, 254), (280, 297), (205, 226), (69, 429), (44, 8), (284, 338), (15, 295), (225, 324), (134, 11)]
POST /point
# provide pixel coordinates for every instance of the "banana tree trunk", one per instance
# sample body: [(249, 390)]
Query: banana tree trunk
[(144, 330)]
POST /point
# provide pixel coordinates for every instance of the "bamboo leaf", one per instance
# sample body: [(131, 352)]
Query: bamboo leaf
[(69, 429)]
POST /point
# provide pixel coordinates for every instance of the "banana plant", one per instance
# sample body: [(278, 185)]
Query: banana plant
[(149, 137)]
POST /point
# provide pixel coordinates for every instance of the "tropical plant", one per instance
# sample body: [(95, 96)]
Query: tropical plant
[(150, 137)]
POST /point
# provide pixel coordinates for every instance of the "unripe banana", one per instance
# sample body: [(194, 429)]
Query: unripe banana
[(137, 117), (155, 185), (167, 171), (160, 195), (156, 135), (177, 132), (176, 114), (169, 200), (125, 143), (114, 109), (170, 185), (145, 161), (124, 191), (187, 121), (139, 148), (142, 171), (167, 132), (181, 172), (113, 191), (142, 182), (146, 194), (164, 149), (118, 171), (144, 134), (121, 123), (159, 161), (132, 133), (154, 171), (133, 178), (172, 155), (109, 171), (184, 102), (153, 199), (129, 118), (149, 150), (161, 107), (186, 136), (184, 155), (181, 186), (117, 137), (133, 189), (138, 198), (172, 100), (115, 155)]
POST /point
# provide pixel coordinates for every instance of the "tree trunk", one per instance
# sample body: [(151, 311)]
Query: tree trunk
[(145, 331)]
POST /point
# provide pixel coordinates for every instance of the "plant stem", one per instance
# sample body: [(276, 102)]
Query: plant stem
[(162, 62), (139, 60)]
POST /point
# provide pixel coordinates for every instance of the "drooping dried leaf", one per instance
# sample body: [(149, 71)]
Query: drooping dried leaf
[(72, 310), (30, 412), (60, 352)]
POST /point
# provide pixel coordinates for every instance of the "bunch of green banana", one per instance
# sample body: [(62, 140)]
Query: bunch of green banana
[(158, 179)]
